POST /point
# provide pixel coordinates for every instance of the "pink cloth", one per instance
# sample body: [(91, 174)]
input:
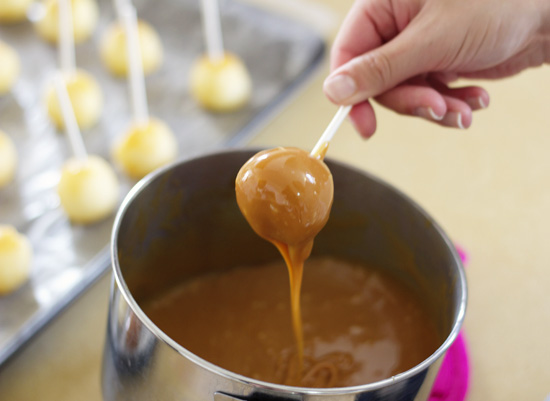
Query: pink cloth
[(453, 379)]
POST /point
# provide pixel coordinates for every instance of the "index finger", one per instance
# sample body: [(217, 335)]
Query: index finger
[(368, 25)]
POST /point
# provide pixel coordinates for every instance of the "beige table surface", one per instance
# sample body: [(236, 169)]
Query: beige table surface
[(489, 187)]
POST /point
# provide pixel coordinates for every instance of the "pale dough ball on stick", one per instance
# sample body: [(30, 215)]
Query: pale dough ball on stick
[(113, 49), (8, 159), (85, 14), (219, 80), (145, 147), (83, 91), (86, 99), (12, 11), (88, 189), (15, 259), (220, 85), (148, 143), (10, 67)]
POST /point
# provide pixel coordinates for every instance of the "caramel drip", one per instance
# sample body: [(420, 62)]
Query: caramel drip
[(321, 153), (294, 257), (286, 196)]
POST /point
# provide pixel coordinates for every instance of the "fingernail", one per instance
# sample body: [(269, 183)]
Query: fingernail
[(427, 113), (476, 103), (340, 87), (453, 119)]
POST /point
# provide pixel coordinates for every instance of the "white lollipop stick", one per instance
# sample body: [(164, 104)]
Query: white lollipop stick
[(212, 29), (127, 16), (66, 37), (71, 126), (333, 126)]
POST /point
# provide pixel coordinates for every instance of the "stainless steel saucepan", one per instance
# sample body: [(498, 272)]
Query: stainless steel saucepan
[(183, 221)]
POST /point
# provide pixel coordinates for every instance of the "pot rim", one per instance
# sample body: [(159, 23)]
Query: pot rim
[(157, 332)]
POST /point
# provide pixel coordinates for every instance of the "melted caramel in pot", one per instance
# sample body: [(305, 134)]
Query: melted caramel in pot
[(360, 325)]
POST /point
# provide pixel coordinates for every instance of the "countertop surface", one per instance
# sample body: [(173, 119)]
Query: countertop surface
[(488, 187)]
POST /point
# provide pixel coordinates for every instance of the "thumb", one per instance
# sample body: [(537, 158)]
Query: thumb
[(379, 70)]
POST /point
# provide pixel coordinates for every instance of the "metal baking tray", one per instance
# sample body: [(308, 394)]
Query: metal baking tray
[(281, 53)]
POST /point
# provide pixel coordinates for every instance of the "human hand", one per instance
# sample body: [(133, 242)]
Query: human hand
[(404, 53)]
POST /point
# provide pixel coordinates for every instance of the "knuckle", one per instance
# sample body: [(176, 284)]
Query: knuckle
[(376, 69)]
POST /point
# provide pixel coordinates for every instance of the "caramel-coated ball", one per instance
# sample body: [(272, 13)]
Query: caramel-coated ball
[(285, 195)]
